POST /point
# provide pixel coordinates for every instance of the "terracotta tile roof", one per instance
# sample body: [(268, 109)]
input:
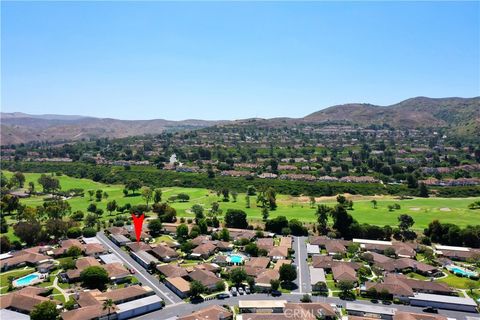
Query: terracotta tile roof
[(205, 249), (265, 276), (116, 270), (335, 247), (207, 278), (278, 252), (89, 312), (169, 270), (181, 284), (126, 294), (327, 262), (402, 315), (24, 299), (209, 313), (164, 252), (94, 248), (286, 242), (258, 262), (200, 240), (138, 246), (281, 262), (265, 243), (343, 272)]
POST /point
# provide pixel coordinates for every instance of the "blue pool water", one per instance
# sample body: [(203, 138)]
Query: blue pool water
[(235, 258), (463, 272), (25, 281)]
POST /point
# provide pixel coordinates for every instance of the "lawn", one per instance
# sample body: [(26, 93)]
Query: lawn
[(423, 211), (15, 274), (458, 282)]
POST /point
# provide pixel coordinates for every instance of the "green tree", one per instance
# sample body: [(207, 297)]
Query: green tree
[(147, 194), (94, 277), (19, 178), (274, 284), (322, 213), (422, 190), (265, 213), (46, 310), (374, 203), (182, 231), (224, 234), (238, 275), (235, 218), (196, 288), (346, 287), (155, 227), (288, 273), (157, 195), (109, 306), (74, 252), (133, 185), (111, 206)]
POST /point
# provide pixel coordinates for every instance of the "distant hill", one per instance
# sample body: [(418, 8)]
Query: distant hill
[(21, 127), (461, 116)]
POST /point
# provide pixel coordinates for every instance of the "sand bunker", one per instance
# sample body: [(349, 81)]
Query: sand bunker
[(415, 209), (445, 209)]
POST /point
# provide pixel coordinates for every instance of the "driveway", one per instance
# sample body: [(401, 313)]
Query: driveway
[(141, 273)]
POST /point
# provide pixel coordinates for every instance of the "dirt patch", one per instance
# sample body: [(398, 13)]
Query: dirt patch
[(353, 197)]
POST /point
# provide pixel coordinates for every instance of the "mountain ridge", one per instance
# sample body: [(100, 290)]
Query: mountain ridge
[(460, 115)]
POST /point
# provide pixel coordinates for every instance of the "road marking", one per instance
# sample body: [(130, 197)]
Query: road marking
[(299, 267), (136, 270)]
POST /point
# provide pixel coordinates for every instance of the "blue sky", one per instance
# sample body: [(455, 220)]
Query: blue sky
[(219, 60)]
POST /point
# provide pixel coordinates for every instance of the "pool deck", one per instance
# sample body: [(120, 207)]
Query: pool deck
[(39, 279)]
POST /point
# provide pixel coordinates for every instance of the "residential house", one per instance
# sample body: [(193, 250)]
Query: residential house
[(172, 271), (209, 313), (164, 253), (207, 278), (180, 286), (278, 253), (25, 299)]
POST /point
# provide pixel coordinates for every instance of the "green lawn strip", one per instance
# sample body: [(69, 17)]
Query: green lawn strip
[(457, 282), (417, 276)]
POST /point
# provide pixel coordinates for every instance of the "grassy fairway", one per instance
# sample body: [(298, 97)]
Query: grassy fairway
[(451, 210)]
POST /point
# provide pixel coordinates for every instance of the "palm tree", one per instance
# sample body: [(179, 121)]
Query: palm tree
[(108, 305)]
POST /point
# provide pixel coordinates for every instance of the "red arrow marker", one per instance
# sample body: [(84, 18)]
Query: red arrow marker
[(138, 222)]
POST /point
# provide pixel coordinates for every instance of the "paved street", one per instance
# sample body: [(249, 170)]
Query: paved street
[(185, 309), (140, 273), (300, 260)]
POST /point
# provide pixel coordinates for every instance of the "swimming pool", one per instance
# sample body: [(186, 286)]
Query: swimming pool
[(236, 258), (27, 280), (462, 272)]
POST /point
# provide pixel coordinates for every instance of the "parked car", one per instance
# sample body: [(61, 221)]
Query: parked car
[(196, 300), (222, 296), (275, 293), (240, 290), (233, 291), (374, 301), (430, 310), (131, 271), (247, 290), (386, 302)]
